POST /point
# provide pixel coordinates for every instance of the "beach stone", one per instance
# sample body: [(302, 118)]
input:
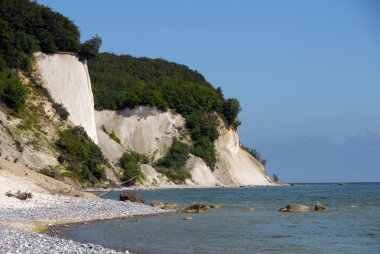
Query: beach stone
[(195, 207), (169, 206), (320, 208), (295, 208), (130, 196), (187, 218), (19, 195), (157, 204), (214, 206)]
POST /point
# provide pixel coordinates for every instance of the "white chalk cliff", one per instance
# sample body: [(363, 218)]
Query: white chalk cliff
[(143, 129), (68, 82)]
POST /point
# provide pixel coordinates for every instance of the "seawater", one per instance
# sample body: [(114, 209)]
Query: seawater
[(351, 225)]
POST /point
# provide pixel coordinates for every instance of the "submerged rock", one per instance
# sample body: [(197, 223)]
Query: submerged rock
[(214, 206), (164, 205), (250, 209), (295, 208), (169, 206), (187, 218), (157, 204), (195, 207), (133, 197)]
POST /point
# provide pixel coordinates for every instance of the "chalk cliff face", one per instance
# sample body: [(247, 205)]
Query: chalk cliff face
[(144, 130), (235, 166), (68, 82)]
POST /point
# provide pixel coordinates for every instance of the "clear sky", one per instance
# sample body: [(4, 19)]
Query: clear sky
[(307, 73)]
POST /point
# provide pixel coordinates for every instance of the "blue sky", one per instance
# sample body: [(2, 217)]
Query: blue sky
[(307, 73)]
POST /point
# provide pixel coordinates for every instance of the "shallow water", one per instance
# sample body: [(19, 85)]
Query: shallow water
[(352, 224)]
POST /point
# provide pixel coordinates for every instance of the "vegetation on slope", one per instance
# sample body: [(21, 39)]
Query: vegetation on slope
[(130, 163), (81, 156), (174, 162), (126, 81)]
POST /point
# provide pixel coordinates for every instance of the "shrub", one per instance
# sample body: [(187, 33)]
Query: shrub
[(130, 163), (61, 110), (83, 157), (173, 163), (14, 95), (276, 179)]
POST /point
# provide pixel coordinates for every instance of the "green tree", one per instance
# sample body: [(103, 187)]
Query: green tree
[(90, 49)]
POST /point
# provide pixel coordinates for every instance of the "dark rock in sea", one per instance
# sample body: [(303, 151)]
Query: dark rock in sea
[(295, 208), (19, 195), (133, 197), (214, 206), (320, 208), (195, 207)]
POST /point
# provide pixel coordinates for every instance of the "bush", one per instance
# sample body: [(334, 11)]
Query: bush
[(61, 111), (174, 162), (130, 163), (14, 95), (83, 157)]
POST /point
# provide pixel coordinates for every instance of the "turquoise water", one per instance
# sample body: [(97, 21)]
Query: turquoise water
[(352, 224)]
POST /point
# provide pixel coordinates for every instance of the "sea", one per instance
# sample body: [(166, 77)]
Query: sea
[(351, 224)]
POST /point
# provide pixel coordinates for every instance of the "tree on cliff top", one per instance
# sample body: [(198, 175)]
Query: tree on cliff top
[(90, 49)]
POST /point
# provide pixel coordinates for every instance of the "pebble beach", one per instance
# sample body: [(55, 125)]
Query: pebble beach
[(18, 220)]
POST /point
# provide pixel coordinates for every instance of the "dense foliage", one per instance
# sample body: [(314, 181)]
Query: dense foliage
[(173, 164), (26, 27), (12, 92), (130, 163), (82, 157), (126, 81)]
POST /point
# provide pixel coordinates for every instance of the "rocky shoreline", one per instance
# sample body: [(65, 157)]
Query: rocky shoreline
[(21, 222)]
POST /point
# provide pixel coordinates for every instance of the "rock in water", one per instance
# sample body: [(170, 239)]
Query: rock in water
[(157, 204), (320, 208), (295, 208), (187, 218), (170, 206), (214, 206), (195, 207), (133, 197), (250, 209)]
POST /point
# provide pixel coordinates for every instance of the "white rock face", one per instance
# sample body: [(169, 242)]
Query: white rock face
[(200, 173), (68, 82), (152, 177), (236, 166), (143, 129)]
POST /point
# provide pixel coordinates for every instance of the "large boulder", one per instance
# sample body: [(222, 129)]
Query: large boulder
[(295, 208), (19, 195), (319, 207), (130, 196), (195, 207)]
